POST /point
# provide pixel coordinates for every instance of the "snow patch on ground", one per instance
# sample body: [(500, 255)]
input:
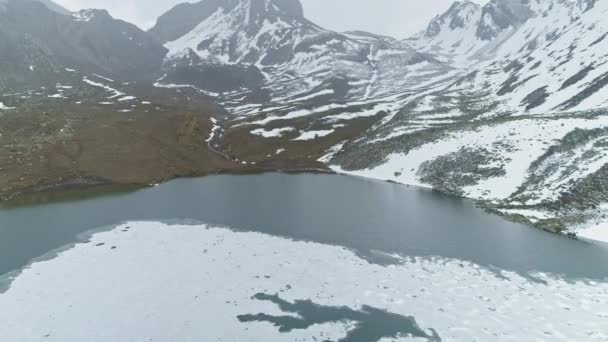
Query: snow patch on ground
[(597, 232), (332, 152), (311, 135), (115, 93), (518, 144), (104, 78), (178, 86), (4, 107), (273, 133), (215, 129)]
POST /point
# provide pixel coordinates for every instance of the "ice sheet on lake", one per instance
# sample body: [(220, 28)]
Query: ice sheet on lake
[(158, 282)]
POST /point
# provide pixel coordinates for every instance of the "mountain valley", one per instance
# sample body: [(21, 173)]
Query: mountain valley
[(504, 103)]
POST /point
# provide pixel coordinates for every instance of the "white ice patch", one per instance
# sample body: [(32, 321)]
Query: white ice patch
[(190, 283)]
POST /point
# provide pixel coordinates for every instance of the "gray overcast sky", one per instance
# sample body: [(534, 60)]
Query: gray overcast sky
[(398, 18)]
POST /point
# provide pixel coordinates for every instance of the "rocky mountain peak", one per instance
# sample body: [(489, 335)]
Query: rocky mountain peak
[(183, 18), (498, 15), (91, 14), (258, 11), (234, 31), (459, 15)]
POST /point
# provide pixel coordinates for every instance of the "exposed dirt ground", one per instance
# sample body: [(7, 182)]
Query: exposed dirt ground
[(286, 153), (51, 150)]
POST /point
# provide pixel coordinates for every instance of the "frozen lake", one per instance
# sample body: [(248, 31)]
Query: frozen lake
[(294, 258)]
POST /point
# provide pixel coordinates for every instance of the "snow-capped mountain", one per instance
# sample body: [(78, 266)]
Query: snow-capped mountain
[(498, 102), (468, 31), (237, 31), (521, 126), (256, 54), (534, 57)]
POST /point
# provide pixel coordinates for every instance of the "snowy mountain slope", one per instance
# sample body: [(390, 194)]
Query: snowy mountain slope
[(468, 31), (523, 130), (562, 73), (262, 57), (552, 62), (85, 61), (452, 33)]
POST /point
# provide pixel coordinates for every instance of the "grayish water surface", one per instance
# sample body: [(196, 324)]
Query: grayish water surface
[(364, 215)]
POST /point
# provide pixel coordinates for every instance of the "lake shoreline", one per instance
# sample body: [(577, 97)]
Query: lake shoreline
[(361, 214), (149, 149), (70, 190)]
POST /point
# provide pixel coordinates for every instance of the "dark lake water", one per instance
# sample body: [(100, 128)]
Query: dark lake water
[(361, 214)]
